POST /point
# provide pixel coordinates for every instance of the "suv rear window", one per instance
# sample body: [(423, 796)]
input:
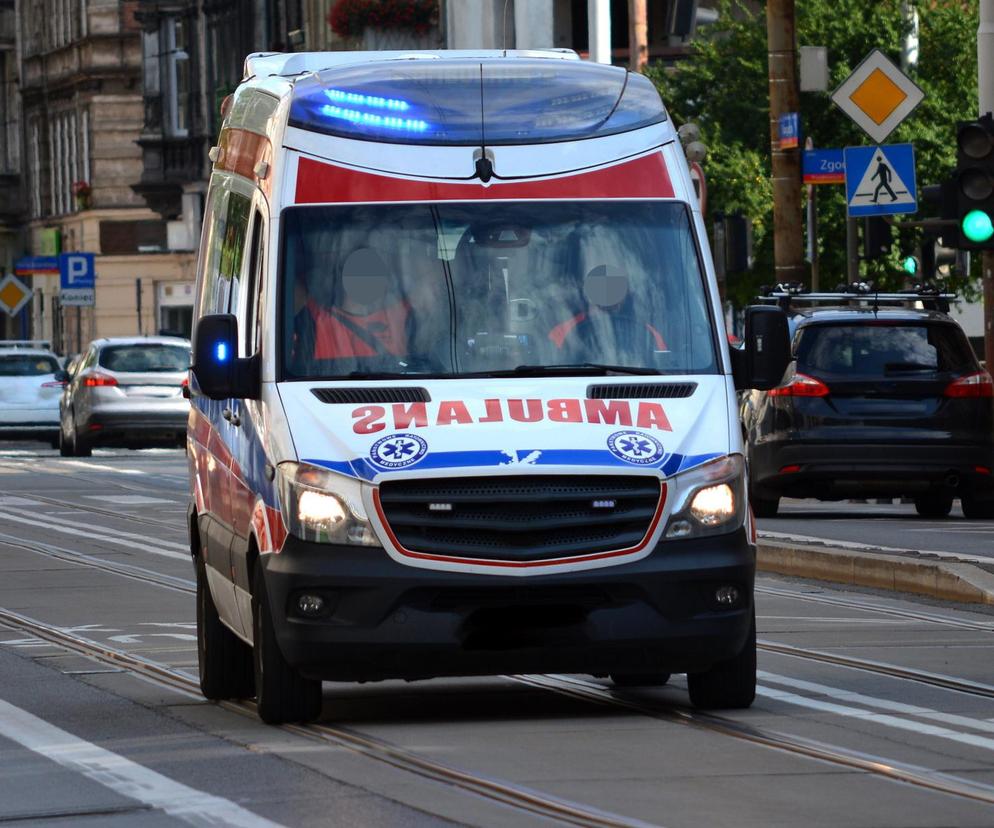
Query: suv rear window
[(142, 358), (883, 349), (27, 365)]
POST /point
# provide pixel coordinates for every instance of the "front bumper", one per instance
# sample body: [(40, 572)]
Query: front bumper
[(387, 620), (835, 470)]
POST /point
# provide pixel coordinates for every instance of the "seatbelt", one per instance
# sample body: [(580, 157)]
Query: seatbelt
[(362, 334)]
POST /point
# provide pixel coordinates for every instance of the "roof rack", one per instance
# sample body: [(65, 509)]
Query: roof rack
[(928, 297)]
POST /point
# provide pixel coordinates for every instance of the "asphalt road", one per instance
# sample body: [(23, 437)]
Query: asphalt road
[(890, 525), (871, 710)]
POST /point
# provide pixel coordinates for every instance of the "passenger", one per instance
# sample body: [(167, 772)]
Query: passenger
[(354, 317), (609, 324)]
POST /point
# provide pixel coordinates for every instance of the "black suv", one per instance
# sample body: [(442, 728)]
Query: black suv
[(882, 399)]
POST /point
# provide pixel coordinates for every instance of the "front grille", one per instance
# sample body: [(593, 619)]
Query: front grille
[(520, 518)]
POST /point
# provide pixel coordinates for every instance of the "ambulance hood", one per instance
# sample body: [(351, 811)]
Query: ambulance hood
[(480, 427)]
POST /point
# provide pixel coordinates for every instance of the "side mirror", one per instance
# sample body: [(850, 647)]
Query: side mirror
[(219, 373), (761, 364), (61, 376)]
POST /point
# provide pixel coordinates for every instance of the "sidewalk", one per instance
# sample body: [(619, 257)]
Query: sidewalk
[(945, 578)]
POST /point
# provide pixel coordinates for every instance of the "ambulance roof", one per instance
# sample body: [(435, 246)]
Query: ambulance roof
[(462, 98)]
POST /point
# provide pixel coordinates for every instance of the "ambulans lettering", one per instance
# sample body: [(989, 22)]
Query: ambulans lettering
[(370, 419)]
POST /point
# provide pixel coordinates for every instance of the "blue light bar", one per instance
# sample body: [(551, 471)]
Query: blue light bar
[(372, 119), (221, 351), (375, 101)]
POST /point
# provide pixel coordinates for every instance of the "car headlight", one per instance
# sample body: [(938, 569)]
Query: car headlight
[(708, 500), (319, 505)]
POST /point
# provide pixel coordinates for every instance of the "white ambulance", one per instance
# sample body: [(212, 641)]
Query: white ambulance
[(462, 402)]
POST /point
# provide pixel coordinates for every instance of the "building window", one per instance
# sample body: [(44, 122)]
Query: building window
[(67, 161), (34, 167), (176, 73)]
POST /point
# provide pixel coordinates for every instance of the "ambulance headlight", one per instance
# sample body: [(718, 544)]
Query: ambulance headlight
[(322, 506), (708, 500)]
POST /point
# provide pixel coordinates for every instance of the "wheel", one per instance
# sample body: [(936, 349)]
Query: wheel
[(282, 694), (225, 661), (82, 448), (934, 506), (66, 448), (640, 679), (729, 684), (976, 509), (764, 507)]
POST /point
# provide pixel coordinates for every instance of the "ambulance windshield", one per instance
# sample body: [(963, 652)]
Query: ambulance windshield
[(461, 289)]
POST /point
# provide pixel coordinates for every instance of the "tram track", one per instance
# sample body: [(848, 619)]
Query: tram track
[(575, 687), (524, 799)]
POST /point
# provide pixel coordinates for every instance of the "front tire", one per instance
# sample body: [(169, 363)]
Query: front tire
[(225, 660), (282, 694), (728, 685), (934, 506)]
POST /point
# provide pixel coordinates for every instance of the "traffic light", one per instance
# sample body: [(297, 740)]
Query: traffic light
[(973, 184), (877, 237), (934, 256)]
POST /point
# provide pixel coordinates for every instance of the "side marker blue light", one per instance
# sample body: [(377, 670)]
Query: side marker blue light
[(221, 351), (374, 101), (370, 119)]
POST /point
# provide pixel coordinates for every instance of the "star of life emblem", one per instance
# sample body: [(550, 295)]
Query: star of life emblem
[(635, 447), (397, 451)]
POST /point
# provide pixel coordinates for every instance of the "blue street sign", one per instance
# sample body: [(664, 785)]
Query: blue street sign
[(790, 130), (880, 181), (77, 277), (823, 166), (31, 265), (76, 271)]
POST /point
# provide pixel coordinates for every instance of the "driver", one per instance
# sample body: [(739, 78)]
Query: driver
[(363, 320), (608, 324)]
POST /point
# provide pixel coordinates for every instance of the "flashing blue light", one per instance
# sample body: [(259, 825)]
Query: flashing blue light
[(357, 99), (221, 351), (370, 119)]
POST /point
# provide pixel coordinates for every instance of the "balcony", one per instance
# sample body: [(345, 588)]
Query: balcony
[(169, 164)]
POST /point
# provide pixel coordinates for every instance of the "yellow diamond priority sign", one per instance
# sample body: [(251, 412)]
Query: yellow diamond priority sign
[(877, 96), (14, 294)]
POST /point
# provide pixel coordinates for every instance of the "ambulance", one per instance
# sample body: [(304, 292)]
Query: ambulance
[(462, 401)]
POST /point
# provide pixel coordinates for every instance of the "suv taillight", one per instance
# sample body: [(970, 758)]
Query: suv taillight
[(97, 379), (800, 386), (972, 385)]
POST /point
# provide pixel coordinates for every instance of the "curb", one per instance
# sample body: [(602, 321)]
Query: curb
[(942, 580)]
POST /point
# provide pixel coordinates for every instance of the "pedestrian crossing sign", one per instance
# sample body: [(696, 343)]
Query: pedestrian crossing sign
[(880, 181)]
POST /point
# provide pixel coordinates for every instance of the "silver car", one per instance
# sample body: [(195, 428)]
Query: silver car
[(29, 391), (126, 391)]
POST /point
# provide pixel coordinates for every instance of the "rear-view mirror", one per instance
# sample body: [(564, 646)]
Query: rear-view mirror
[(763, 360), (219, 373)]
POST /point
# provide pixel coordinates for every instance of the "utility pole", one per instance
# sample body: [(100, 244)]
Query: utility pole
[(638, 35), (788, 243), (985, 85)]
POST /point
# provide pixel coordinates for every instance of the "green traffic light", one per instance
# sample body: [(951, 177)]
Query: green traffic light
[(910, 265), (977, 226)]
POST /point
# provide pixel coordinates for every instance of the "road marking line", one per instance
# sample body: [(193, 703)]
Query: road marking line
[(127, 500), (881, 704), (119, 541), (107, 530), (122, 775)]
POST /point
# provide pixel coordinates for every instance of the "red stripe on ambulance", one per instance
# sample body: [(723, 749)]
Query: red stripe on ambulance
[(644, 177)]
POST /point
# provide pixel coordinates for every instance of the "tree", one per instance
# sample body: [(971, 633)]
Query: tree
[(723, 87)]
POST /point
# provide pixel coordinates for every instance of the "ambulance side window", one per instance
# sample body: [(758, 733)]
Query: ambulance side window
[(249, 321), (226, 222)]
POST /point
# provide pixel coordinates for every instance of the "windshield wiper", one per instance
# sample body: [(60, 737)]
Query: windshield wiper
[(588, 368)]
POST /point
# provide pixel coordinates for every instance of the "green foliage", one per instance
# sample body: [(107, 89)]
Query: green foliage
[(724, 88)]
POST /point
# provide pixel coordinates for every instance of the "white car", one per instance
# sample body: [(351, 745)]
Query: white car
[(29, 391)]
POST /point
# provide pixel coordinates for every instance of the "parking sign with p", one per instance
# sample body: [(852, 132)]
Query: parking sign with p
[(77, 279)]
